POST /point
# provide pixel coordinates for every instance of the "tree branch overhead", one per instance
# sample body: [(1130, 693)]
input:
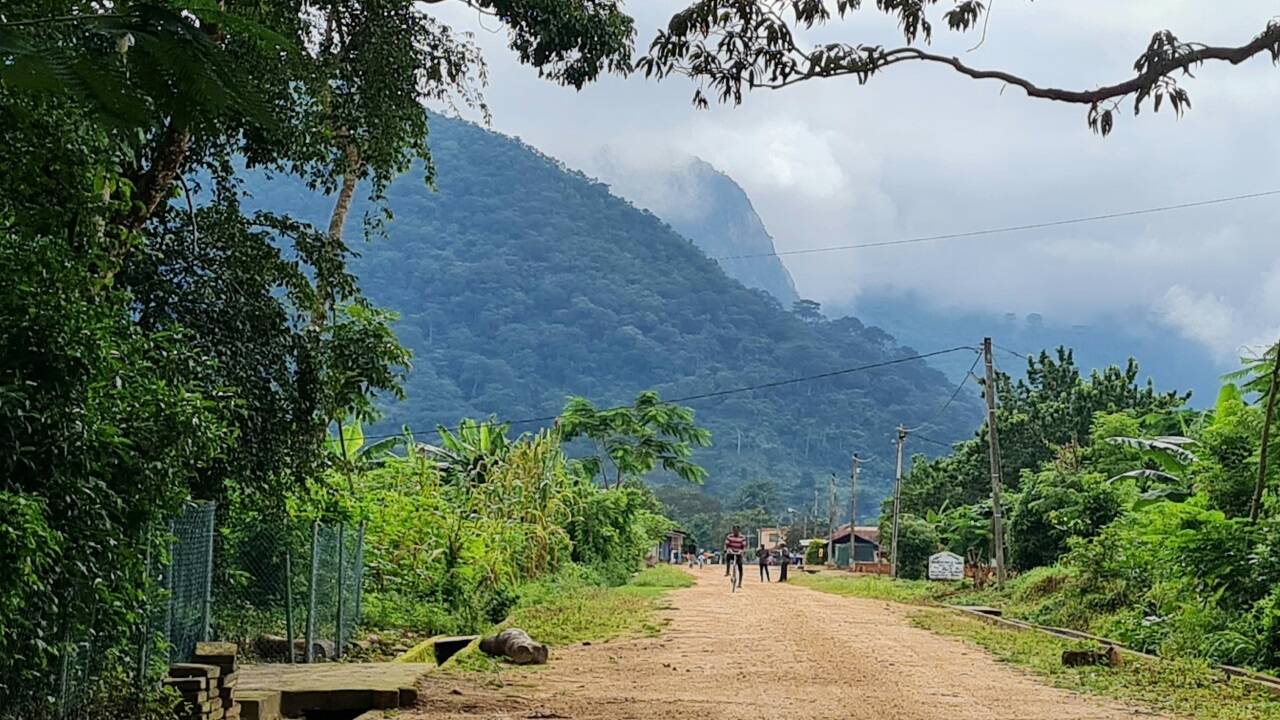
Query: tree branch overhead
[(733, 46)]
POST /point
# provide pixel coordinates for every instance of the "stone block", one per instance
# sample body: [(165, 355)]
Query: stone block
[(220, 654), (186, 670), (258, 704), (187, 684)]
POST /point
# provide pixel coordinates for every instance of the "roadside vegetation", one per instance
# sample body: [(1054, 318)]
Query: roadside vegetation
[(1129, 515), (1182, 687), (461, 534)]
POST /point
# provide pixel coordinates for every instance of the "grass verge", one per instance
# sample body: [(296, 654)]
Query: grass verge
[(561, 613), (1178, 687)]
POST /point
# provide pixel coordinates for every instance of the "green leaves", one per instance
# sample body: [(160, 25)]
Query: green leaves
[(148, 57), (639, 438), (1169, 451)]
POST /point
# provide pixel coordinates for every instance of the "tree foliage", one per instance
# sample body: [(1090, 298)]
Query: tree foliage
[(161, 341), (730, 47), (1053, 406), (636, 439)]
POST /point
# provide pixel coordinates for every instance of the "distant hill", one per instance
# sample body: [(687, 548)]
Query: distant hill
[(521, 282), (708, 207)]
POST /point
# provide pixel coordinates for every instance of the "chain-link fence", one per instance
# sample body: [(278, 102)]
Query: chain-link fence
[(288, 591), (188, 580), (293, 584), (260, 588), (337, 570)]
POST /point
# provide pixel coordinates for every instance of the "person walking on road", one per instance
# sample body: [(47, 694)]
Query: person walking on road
[(762, 556), (784, 560)]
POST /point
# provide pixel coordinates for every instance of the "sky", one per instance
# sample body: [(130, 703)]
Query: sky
[(921, 150)]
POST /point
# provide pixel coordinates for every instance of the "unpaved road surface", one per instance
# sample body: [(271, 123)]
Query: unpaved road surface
[(767, 651)]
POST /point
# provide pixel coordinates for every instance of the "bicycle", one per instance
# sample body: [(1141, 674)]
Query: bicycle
[(735, 571)]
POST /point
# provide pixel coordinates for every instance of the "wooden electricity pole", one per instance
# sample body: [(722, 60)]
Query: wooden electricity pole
[(853, 504), (997, 513), (831, 520), (897, 502)]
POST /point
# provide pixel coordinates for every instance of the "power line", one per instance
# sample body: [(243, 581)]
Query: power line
[(1014, 353), (1012, 228), (928, 439), (954, 395), (735, 390)]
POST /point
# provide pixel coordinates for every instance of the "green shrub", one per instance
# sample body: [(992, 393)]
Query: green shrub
[(917, 540)]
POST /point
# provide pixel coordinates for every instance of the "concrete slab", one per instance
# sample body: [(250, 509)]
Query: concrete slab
[(336, 686)]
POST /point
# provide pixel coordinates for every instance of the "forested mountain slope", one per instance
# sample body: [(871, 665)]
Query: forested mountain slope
[(711, 209), (521, 282)]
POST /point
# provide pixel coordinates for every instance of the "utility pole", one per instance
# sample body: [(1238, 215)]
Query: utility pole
[(897, 503), (831, 520), (997, 514), (853, 504)]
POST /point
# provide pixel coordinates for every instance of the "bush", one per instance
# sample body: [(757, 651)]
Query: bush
[(1054, 506), (917, 540)]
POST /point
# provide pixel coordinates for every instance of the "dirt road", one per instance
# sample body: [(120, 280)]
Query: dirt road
[(768, 651)]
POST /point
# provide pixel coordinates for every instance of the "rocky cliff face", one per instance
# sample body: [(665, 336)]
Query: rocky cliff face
[(709, 208)]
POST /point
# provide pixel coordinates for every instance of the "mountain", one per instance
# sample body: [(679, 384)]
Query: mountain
[(713, 211), (708, 207), (520, 282)]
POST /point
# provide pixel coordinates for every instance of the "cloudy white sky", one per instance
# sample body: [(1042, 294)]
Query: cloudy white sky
[(921, 150)]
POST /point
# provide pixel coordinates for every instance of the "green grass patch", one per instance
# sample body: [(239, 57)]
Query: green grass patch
[(566, 612), (880, 587), (1028, 596), (1180, 687), (662, 576)]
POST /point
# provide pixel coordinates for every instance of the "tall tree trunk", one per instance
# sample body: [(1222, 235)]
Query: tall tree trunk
[(350, 178), (1255, 507)]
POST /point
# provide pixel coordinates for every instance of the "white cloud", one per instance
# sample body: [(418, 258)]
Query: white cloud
[(1203, 317)]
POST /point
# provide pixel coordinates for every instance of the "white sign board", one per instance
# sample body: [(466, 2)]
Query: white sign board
[(946, 566)]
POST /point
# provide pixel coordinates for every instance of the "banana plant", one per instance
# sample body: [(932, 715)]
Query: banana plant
[(349, 447), (1261, 374), (471, 452), (1171, 454)]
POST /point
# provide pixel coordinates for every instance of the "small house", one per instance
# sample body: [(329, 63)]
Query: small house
[(772, 537), (670, 548), (866, 544)]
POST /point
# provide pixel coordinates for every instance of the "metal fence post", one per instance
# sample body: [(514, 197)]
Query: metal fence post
[(168, 588), (359, 571), (337, 629), (309, 653), (144, 637), (288, 591), (206, 634), (63, 663)]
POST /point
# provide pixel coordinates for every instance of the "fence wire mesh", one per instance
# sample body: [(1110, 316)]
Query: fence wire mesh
[(260, 590), (337, 570), (188, 580), (280, 585)]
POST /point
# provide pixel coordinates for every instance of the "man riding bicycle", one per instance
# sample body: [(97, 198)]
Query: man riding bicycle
[(735, 546)]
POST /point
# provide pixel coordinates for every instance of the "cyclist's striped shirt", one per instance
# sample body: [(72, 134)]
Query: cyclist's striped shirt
[(735, 543)]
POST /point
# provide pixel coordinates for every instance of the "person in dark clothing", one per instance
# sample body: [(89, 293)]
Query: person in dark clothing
[(784, 560), (762, 556)]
